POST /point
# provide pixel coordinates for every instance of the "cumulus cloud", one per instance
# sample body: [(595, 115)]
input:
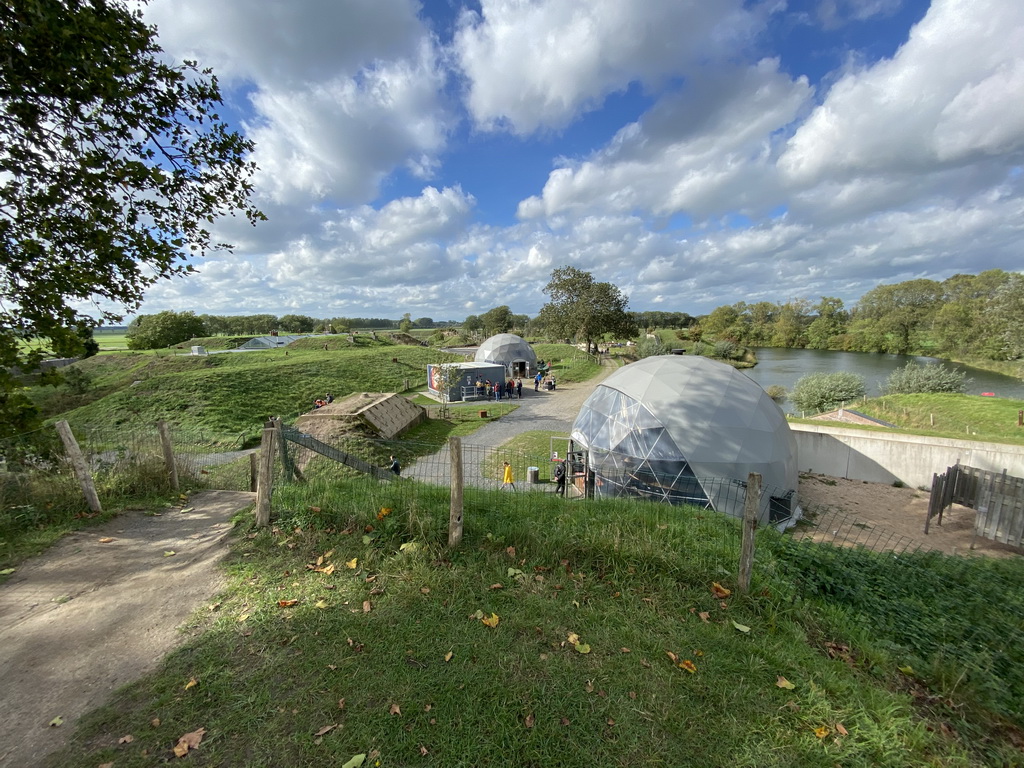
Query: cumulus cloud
[(702, 151), (942, 100), (537, 64)]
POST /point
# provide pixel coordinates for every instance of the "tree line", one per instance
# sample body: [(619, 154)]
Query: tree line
[(965, 316)]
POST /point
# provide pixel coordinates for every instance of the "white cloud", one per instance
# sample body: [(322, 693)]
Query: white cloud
[(534, 64), (950, 95), (703, 151)]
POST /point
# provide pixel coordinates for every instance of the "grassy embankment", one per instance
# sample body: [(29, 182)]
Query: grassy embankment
[(609, 648)]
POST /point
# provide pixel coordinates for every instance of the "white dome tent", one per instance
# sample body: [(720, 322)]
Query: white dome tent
[(688, 430), (509, 350)]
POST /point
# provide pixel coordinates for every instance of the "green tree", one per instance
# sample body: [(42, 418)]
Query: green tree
[(790, 329), (405, 324), (720, 321), (831, 321), (472, 324), (1005, 313), (824, 391), (297, 323), (163, 329), (583, 308), (497, 320), (901, 314), (113, 162)]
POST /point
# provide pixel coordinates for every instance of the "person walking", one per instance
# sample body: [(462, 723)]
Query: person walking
[(519, 389), (395, 466), (507, 481), (560, 478), (536, 382)]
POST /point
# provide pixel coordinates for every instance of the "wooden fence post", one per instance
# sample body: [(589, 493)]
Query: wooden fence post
[(254, 471), (264, 486), (282, 445), (80, 467), (455, 512), (751, 506), (165, 443)]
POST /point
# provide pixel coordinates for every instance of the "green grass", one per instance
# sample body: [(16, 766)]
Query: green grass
[(230, 394), (954, 416), (385, 643)]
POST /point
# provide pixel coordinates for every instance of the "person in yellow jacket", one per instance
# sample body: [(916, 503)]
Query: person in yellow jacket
[(507, 481)]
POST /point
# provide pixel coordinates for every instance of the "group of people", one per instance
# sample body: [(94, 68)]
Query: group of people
[(508, 479), (498, 389), (320, 402), (548, 382)]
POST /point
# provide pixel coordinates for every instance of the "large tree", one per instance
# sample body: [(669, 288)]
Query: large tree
[(583, 308), (164, 329), (113, 164)]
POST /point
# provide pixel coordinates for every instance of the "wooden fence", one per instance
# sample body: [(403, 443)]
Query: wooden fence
[(998, 499)]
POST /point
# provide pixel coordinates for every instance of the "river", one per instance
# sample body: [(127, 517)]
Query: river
[(785, 366)]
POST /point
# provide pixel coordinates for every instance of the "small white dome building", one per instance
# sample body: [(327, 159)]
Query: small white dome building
[(509, 350), (688, 430)]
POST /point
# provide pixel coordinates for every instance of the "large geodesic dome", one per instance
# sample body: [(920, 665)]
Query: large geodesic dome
[(509, 350), (688, 430)]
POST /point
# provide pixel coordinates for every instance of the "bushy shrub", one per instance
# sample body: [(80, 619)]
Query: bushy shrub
[(931, 377), (647, 347), (824, 391), (776, 392), (700, 348), (726, 350)]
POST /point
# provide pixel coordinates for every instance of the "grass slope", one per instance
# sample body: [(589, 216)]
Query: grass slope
[(352, 631)]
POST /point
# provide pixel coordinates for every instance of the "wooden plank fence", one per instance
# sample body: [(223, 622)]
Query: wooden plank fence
[(998, 499)]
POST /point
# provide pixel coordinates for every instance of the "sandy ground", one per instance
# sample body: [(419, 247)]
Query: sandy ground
[(885, 517), (90, 615)]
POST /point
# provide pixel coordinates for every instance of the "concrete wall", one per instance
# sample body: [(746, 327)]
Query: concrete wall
[(881, 457)]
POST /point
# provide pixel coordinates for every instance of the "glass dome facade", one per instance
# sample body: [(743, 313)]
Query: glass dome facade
[(688, 430)]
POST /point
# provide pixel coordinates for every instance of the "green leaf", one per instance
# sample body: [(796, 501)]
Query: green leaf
[(7, 571), (355, 761), (741, 627)]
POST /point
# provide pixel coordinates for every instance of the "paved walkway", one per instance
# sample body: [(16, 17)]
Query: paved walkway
[(538, 411)]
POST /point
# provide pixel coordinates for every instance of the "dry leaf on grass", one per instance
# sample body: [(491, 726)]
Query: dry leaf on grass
[(189, 741)]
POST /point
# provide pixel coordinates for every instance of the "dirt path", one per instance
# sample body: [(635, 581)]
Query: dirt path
[(90, 616)]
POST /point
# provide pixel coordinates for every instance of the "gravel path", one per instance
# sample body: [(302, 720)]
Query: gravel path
[(98, 610)]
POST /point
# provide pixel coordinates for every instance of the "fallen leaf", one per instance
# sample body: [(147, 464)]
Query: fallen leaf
[(424, 751), (782, 682), (675, 659), (821, 732), (610, 721), (589, 687), (582, 648), (497, 586), (287, 603), (355, 761), (840, 730), (7, 571), (573, 638), (57, 722), (326, 729), (704, 616), (907, 670), (106, 765), (510, 551), (565, 721), (632, 695), (384, 512), (351, 564), (170, 553), (128, 739), (321, 604), (328, 553), (155, 722), (689, 666), (394, 709), (448, 656), (367, 606), (192, 683), (741, 627), (106, 539), (624, 649), (491, 621), (719, 591), (425, 590), (530, 720), (188, 741)]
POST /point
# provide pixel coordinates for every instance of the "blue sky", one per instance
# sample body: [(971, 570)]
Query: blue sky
[(441, 158)]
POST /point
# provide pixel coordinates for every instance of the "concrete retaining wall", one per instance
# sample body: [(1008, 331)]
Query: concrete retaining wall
[(881, 457)]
